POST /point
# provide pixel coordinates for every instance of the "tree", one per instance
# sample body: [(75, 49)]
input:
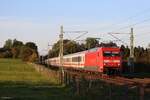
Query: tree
[(110, 44), (5, 53), (31, 45), (69, 47), (91, 43), (81, 47), (15, 52), (17, 43), (33, 57), (26, 53), (50, 54), (8, 44), (17, 49)]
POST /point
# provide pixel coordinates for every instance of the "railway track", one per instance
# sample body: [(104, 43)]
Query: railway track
[(118, 80), (143, 85)]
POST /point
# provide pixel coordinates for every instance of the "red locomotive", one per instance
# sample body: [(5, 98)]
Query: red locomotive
[(101, 59)]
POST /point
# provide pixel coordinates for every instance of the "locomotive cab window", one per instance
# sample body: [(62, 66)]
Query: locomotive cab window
[(107, 54), (115, 54), (111, 53)]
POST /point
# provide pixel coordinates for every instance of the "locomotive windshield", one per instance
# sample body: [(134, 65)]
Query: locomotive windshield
[(111, 53), (115, 54)]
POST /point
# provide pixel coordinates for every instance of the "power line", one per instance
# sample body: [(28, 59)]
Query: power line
[(117, 38), (68, 36), (134, 24), (80, 36), (139, 13), (84, 33), (131, 17)]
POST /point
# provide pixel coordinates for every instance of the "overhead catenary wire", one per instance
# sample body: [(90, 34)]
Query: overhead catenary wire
[(117, 38), (131, 17), (80, 36), (68, 36), (140, 13), (85, 32), (128, 26)]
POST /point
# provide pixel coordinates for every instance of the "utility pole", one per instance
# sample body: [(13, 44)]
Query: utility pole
[(131, 44), (61, 54), (131, 58)]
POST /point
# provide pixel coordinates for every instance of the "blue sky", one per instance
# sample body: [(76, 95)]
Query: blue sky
[(39, 20)]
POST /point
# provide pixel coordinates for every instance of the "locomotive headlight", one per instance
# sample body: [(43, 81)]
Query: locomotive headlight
[(106, 61), (116, 61)]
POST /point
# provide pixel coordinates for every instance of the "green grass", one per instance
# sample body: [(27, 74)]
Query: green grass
[(18, 71), (20, 81)]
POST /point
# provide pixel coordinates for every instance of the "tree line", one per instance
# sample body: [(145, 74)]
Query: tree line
[(141, 58), (17, 49), (73, 46)]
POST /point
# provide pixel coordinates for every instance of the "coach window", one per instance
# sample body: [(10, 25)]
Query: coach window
[(73, 59), (67, 60), (70, 59), (79, 59), (76, 59)]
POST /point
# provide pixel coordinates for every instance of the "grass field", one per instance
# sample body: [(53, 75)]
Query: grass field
[(20, 81)]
